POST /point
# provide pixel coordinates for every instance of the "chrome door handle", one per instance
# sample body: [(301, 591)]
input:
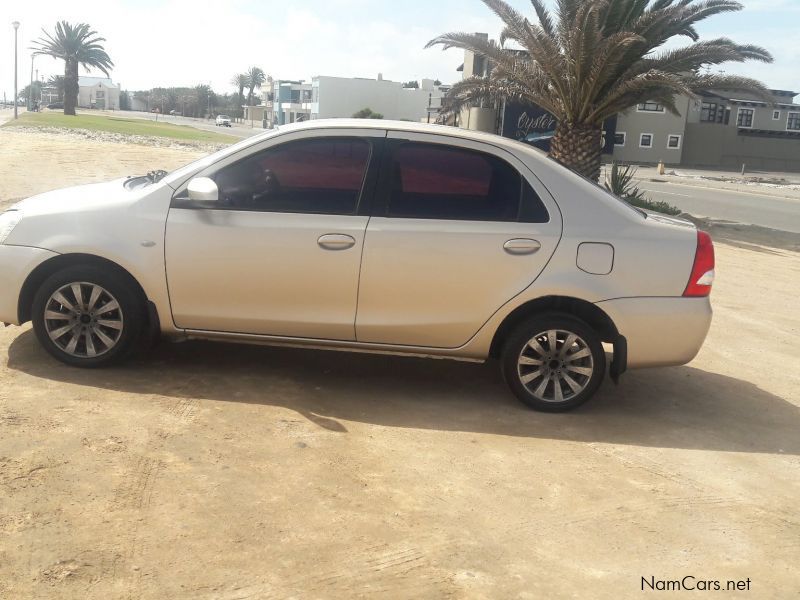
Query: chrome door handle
[(336, 241), (521, 247)]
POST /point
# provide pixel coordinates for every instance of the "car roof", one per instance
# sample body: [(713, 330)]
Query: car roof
[(409, 126)]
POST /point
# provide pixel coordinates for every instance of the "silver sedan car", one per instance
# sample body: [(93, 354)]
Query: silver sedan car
[(374, 236)]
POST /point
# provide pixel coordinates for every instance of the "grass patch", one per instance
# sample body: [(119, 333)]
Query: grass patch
[(122, 125)]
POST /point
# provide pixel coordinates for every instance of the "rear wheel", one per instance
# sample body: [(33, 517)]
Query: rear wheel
[(554, 363), (86, 316)]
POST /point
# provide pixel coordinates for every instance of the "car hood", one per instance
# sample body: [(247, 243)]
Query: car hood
[(76, 198)]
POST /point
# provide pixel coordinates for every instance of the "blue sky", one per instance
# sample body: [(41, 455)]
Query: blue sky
[(177, 42)]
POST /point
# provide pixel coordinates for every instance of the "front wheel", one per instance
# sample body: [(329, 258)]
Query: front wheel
[(86, 316), (554, 363)]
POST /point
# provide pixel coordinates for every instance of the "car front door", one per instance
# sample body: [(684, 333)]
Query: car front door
[(279, 254), (459, 228)]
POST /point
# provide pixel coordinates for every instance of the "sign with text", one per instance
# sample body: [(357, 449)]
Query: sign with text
[(534, 125)]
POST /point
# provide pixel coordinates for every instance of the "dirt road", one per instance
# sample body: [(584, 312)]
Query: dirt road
[(230, 472)]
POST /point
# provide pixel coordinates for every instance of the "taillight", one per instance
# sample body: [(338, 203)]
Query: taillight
[(702, 277)]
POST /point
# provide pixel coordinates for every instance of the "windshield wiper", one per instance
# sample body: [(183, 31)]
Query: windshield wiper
[(156, 176)]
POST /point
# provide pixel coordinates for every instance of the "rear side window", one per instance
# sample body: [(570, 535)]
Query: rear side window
[(321, 176), (430, 181)]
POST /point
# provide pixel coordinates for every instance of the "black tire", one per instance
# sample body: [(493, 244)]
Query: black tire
[(131, 308), (551, 370)]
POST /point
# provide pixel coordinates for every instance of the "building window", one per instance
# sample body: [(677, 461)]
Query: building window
[(745, 118), (776, 115), (646, 140), (793, 124), (708, 114), (619, 138), (650, 107), (674, 142)]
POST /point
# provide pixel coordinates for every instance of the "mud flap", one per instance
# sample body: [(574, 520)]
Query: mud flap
[(620, 362)]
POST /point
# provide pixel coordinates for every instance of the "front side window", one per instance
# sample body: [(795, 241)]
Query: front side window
[(745, 118), (793, 124), (430, 181), (650, 107), (321, 176)]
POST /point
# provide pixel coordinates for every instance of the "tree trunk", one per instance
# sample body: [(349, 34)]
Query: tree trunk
[(70, 87), (578, 148)]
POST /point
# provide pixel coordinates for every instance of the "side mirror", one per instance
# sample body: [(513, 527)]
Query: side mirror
[(203, 189)]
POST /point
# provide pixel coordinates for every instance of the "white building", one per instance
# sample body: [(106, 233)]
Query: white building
[(98, 92), (340, 97)]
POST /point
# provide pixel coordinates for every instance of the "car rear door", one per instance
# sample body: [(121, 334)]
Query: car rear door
[(280, 253), (459, 228)]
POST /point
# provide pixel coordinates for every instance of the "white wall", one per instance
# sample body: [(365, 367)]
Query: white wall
[(87, 95), (340, 97)]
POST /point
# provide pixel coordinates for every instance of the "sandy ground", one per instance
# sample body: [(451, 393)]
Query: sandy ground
[(228, 472), (32, 163)]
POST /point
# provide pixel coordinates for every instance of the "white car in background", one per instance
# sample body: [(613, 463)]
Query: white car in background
[(223, 121), (372, 236)]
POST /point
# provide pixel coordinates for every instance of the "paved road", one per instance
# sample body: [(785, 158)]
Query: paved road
[(238, 130), (743, 207)]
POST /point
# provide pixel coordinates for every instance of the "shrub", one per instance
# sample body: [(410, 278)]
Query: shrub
[(620, 182)]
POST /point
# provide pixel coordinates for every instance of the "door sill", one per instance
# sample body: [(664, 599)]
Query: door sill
[(339, 345)]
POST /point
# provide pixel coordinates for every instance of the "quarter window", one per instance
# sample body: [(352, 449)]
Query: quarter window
[(793, 124), (430, 181), (321, 176), (745, 118)]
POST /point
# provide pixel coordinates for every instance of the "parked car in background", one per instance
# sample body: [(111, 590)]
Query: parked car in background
[(56, 106), (223, 121), (373, 236)]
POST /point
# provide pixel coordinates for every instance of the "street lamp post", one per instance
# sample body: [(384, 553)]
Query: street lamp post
[(16, 27), (30, 87)]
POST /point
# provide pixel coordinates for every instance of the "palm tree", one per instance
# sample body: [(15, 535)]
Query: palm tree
[(240, 81), (75, 45), (590, 59), (57, 82), (255, 79)]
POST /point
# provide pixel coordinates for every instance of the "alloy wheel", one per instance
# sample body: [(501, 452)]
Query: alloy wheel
[(84, 320), (555, 366)]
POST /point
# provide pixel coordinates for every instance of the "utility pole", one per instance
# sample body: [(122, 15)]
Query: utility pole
[(16, 27), (30, 87)]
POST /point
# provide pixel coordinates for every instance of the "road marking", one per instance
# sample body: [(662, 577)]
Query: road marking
[(668, 193), (721, 190)]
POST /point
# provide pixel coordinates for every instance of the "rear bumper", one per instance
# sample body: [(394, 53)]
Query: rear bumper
[(660, 332), (16, 263)]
